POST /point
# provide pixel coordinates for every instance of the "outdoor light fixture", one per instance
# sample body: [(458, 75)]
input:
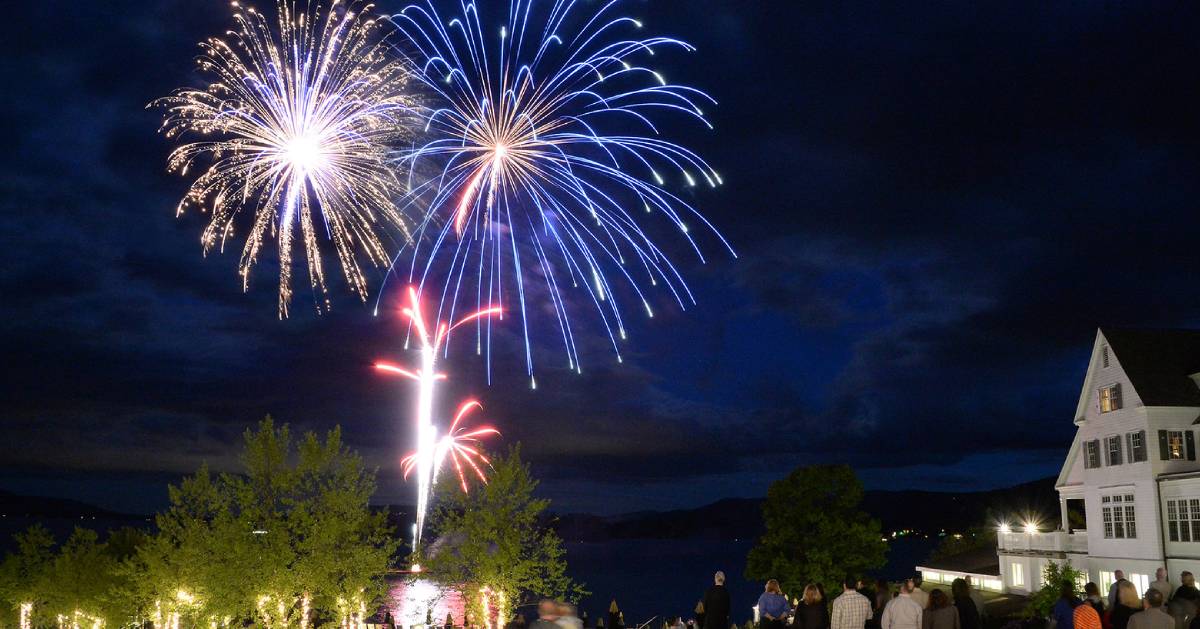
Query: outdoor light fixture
[(1031, 527), (1004, 527)]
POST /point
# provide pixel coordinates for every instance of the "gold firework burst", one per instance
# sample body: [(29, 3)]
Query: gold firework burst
[(295, 128)]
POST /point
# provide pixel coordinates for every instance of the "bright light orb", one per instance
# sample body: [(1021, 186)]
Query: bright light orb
[(305, 153)]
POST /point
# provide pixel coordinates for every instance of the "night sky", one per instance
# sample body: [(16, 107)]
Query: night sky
[(934, 204)]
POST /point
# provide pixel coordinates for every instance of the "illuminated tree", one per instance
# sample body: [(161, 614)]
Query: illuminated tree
[(79, 577), (23, 575), (82, 582), (289, 540), (495, 537), (815, 531)]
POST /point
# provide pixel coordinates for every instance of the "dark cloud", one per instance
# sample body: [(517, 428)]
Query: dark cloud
[(934, 207)]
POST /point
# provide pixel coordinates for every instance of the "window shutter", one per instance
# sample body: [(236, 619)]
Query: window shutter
[(1162, 446), (1116, 396), (1190, 438), (1142, 456), (1129, 453)]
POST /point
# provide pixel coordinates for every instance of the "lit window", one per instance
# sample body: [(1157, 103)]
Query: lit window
[(1175, 451), (1018, 574), (1118, 516), (1107, 578), (1110, 398), (1140, 581)]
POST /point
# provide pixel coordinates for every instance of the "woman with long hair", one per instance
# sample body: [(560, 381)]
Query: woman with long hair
[(940, 614), (1128, 604), (968, 613), (773, 606), (811, 612)]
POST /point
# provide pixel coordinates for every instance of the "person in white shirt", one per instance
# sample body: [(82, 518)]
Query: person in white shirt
[(567, 617), (903, 612), (1162, 585), (919, 595)]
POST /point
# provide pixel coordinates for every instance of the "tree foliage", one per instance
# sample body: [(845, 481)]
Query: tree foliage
[(1054, 575), (83, 579), (292, 532), (253, 547), (815, 531), (25, 573), (495, 537), (975, 538)]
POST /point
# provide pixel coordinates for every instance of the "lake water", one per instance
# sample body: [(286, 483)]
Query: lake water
[(663, 578)]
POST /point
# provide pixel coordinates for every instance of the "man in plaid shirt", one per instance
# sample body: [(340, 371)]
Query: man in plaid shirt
[(851, 610)]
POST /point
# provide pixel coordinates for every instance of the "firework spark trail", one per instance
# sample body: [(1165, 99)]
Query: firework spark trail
[(543, 132), (303, 117), (457, 443)]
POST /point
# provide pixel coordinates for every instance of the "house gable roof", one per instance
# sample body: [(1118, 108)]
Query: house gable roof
[(1158, 363)]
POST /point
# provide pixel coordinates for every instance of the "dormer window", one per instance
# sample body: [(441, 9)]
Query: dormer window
[(1110, 398), (1104, 356)]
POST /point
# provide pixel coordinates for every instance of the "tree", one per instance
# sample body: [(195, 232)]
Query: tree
[(79, 578), (24, 575), (290, 540), (79, 583), (973, 539), (1054, 575), (494, 537), (815, 531)]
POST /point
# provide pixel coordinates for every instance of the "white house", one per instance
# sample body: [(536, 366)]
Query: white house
[(1131, 470)]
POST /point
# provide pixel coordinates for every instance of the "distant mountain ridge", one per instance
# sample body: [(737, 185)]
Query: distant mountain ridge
[(925, 512), (19, 506)]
